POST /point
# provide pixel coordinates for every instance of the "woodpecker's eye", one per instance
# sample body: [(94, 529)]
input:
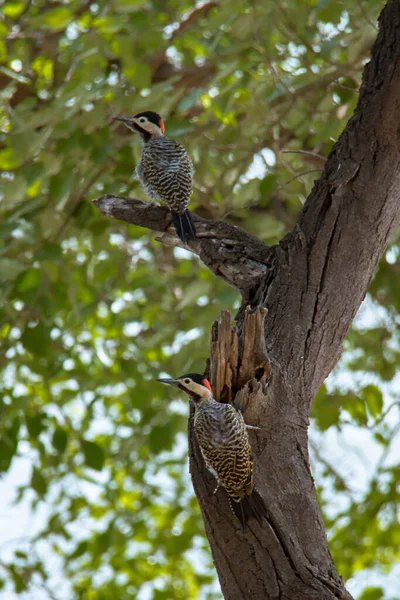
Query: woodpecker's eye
[(187, 381), (142, 120)]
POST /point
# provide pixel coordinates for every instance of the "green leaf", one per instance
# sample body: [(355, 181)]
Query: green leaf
[(9, 443), (35, 425), (372, 593), (380, 438), (20, 584), (268, 184), (55, 19), (79, 550), (139, 74), (13, 9), (30, 280), (10, 268), (7, 452), (94, 455), (43, 67), (9, 159), (3, 52), (161, 437), (329, 11), (129, 6), (36, 339), (108, 24), (356, 407), (326, 409), (49, 251), (374, 399), (59, 440), (38, 483)]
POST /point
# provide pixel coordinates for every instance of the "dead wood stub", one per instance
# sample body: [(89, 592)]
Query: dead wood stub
[(232, 377), (224, 358), (254, 355)]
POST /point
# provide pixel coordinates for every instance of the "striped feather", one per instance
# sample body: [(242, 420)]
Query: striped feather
[(166, 173), (224, 443)]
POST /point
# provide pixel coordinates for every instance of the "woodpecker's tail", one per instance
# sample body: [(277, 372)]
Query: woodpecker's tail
[(184, 226), (249, 506)]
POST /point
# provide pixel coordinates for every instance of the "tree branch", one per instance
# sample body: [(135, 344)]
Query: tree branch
[(242, 260)]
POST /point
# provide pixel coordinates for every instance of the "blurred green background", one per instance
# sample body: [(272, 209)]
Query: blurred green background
[(92, 310)]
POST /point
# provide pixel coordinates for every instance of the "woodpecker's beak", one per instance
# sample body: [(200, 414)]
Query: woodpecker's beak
[(123, 119), (173, 382)]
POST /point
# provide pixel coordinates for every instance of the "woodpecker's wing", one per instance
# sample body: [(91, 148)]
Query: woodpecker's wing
[(163, 153), (166, 172), (224, 442), (178, 160)]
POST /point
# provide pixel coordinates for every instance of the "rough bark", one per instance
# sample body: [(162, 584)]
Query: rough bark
[(299, 300), (239, 258)]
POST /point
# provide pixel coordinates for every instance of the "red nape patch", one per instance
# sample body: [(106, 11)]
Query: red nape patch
[(162, 126), (207, 384)]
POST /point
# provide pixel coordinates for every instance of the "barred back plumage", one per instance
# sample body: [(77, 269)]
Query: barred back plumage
[(224, 443), (165, 170), (221, 432), (225, 446)]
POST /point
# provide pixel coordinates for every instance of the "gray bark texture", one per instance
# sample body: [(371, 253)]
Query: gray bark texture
[(299, 299)]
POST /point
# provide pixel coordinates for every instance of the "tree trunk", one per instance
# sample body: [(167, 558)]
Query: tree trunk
[(288, 557), (299, 300)]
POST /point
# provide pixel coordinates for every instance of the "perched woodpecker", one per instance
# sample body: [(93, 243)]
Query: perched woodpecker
[(221, 432), (165, 170)]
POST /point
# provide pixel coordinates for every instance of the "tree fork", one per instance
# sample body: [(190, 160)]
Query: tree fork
[(312, 285)]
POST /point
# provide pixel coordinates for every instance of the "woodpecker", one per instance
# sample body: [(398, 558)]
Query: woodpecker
[(165, 170), (223, 439)]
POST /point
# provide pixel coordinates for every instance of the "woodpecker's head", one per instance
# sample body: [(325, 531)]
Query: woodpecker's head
[(196, 386), (147, 124)]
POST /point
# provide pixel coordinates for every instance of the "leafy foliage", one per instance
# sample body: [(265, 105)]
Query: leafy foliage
[(93, 311)]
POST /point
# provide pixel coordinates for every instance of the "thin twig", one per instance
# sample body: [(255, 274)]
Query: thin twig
[(366, 16), (347, 87), (308, 152), (335, 474), (384, 415), (297, 176)]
